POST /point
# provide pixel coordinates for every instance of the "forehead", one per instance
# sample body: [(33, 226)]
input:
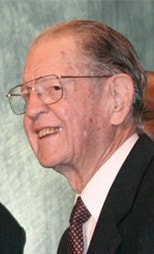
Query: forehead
[(57, 55)]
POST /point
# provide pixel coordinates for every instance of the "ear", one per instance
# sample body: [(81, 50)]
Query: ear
[(122, 93)]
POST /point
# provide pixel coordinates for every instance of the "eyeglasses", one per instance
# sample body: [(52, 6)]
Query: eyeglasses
[(48, 88)]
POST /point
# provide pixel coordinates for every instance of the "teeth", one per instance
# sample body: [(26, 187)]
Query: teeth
[(48, 131)]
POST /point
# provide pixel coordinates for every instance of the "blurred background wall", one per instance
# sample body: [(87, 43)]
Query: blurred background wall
[(39, 198)]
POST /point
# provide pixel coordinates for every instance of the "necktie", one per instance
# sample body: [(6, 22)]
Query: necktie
[(79, 215)]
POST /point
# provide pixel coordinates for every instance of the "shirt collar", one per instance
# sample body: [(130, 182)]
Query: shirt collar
[(96, 191)]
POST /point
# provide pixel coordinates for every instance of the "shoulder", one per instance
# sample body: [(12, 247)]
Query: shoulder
[(143, 151), (145, 140), (6, 218), (12, 235)]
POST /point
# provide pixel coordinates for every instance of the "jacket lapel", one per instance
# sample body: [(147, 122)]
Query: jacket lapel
[(107, 237)]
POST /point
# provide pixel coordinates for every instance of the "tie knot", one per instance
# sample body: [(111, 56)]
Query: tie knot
[(80, 213)]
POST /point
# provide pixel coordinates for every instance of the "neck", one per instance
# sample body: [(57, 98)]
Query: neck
[(80, 175)]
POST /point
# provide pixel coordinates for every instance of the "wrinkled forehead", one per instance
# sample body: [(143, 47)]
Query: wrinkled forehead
[(59, 55)]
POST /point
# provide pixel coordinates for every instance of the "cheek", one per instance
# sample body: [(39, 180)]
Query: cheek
[(70, 114), (91, 120), (75, 124)]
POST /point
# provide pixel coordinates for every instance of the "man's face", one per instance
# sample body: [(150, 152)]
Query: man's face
[(67, 133)]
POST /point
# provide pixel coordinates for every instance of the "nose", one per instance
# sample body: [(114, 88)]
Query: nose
[(35, 106)]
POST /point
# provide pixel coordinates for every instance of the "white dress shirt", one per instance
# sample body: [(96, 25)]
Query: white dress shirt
[(95, 192)]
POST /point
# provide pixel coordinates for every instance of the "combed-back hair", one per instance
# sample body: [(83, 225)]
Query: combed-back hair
[(107, 51)]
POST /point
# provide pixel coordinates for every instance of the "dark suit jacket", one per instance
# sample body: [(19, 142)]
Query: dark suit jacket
[(12, 235), (126, 222)]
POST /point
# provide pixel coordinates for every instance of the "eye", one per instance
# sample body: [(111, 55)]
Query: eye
[(53, 93), (53, 90), (58, 87)]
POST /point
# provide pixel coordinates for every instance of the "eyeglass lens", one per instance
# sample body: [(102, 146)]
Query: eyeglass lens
[(48, 89)]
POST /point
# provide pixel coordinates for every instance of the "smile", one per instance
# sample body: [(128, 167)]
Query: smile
[(48, 131)]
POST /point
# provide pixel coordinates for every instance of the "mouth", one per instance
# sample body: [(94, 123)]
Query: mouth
[(48, 131)]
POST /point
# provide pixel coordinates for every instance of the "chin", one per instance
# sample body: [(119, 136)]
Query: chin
[(45, 164)]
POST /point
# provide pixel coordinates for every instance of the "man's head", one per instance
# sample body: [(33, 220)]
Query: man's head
[(148, 115), (101, 50), (75, 125)]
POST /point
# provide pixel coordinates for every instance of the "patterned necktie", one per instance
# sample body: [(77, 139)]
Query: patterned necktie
[(79, 215)]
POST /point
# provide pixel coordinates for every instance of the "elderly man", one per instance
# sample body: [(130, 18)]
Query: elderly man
[(82, 98), (148, 114)]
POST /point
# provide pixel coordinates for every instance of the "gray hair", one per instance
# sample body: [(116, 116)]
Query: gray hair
[(110, 51)]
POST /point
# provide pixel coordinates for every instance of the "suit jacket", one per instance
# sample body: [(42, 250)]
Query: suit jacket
[(12, 235), (126, 222)]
